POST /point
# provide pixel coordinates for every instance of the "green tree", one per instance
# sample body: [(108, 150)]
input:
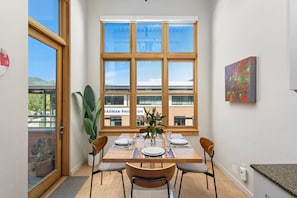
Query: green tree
[(35, 102)]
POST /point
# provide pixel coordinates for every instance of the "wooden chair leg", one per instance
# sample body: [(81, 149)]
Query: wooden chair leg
[(101, 177)]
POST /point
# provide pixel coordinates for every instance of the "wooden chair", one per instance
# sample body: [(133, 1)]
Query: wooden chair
[(208, 148), (142, 130), (150, 178), (98, 146)]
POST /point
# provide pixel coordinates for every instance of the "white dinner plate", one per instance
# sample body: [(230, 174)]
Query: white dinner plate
[(176, 136), (153, 151), (121, 142), (179, 141)]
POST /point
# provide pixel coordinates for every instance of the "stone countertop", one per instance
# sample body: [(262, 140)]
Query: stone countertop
[(283, 175)]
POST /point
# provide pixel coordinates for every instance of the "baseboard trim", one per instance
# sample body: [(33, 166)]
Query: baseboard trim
[(76, 167), (235, 180)]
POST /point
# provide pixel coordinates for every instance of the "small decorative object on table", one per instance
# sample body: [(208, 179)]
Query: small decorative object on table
[(153, 121)]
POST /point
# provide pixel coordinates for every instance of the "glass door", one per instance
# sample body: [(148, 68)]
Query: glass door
[(44, 113), (48, 80)]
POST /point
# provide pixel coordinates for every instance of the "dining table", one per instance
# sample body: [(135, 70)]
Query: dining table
[(135, 148)]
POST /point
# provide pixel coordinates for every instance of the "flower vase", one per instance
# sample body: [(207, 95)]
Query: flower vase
[(153, 139)]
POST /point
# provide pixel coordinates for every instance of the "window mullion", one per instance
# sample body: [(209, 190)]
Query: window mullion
[(133, 93), (164, 93), (165, 98)]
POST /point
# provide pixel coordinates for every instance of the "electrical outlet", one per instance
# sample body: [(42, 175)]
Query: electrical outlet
[(242, 173)]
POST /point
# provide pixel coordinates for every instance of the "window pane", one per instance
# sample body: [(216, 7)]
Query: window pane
[(181, 111), (45, 12), (116, 37), (116, 116), (116, 110), (149, 75), (42, 85), (181, 37), (117, 75), (42, 102), (148, 37), (180, 75)]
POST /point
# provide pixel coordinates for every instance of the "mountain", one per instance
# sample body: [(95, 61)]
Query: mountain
[(36, 81)]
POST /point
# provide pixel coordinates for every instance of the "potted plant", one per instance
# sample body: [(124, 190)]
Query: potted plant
[(92, 112), (153, 121), (42, 156)]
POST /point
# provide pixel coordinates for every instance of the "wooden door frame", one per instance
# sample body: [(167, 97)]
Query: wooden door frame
[(41, 32), (65, 33)]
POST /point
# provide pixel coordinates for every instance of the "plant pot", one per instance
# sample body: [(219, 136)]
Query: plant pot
[(43, 168), (90, 159)]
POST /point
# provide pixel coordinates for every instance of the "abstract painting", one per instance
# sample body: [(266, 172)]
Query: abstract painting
[(240, 81)]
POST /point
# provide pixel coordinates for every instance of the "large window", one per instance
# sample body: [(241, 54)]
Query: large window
[(145, 65)]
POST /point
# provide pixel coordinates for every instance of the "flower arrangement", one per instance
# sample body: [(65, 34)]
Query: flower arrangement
[(153, 121)]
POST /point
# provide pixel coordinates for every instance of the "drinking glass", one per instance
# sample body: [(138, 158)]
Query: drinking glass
[(130, 144), (167, 145), (168, 135)]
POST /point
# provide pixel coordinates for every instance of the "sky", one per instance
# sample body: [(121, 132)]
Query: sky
[(42, 58)]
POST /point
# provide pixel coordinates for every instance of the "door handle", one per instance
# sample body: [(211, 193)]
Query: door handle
[(61, 129)]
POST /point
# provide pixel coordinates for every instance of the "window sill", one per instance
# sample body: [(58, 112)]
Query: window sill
[(119, 131)]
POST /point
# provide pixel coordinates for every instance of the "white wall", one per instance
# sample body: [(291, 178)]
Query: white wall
[(79, 146), (264, 132), (13, 100), (293, 43)]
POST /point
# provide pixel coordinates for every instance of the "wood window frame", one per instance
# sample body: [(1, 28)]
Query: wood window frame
[(165, 57), (40, 32)]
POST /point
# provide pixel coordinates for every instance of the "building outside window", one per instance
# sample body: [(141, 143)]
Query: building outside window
[(115, 121), (179, 120)]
